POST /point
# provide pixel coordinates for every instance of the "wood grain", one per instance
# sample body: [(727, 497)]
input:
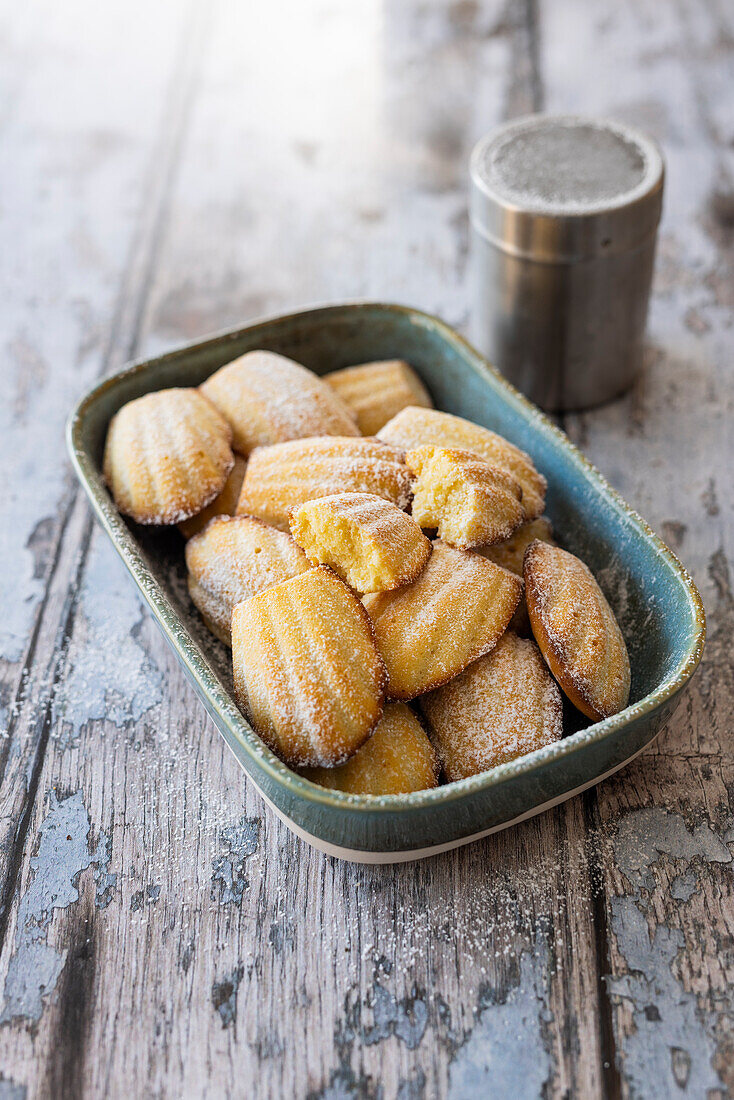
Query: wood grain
[(667, 861), (162, 933), (70, 214)]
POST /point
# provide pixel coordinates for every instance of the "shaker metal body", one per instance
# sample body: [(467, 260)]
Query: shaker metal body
[(564, 215)]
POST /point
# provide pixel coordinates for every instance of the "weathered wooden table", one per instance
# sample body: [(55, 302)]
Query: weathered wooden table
[(169, 169)]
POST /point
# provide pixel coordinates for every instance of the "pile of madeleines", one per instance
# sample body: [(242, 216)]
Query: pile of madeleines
[(305, 503)]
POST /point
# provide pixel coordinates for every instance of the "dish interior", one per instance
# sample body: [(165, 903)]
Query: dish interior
[(656, 605)]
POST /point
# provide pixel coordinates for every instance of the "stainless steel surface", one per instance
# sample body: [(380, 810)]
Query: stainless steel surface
[(564, 214)]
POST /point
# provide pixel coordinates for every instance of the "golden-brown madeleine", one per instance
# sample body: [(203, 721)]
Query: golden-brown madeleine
[(223, 505), (510, 555), (396, 759), (167, 456), (429, 631), (375, 392), (467, 500), (370, 543), (576, 630), (268, 399), (306, 669), (413, 427), (215, 625), (502, 706), (233, 558), (280, 478)]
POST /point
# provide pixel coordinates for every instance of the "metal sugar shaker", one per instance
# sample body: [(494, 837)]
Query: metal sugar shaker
[(564, 215)]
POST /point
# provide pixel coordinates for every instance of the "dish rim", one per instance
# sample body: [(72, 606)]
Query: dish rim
[(188, 650)]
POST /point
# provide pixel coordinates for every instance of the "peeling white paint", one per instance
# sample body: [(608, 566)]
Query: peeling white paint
[(505, 1055), (673, 1043), (11, 1090), (63, 853), (229, 876), (644, 835), (109, 675)]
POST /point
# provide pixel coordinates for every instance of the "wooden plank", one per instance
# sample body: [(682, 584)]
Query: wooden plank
[(668, 446), (206, 947), (78, 165), (75, 173)]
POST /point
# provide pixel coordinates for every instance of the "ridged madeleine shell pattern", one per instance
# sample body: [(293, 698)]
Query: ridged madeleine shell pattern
[(268, 399), (396, 759), (502, 706), (511, 554), (576, 630), (280, 478), (369, 542), (306, 669), (223, 505), (415, 426), (468, 501), (429, 631), (167, 456), (375, 392), (234, 558)]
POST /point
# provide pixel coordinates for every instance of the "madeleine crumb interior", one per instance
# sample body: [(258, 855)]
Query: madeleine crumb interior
[(368, 541)]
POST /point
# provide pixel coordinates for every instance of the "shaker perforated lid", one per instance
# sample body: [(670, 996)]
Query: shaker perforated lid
[(559, 188)]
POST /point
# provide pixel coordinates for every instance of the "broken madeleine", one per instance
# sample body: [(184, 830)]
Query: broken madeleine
[(413, 427), (368, 541), (468, 501)]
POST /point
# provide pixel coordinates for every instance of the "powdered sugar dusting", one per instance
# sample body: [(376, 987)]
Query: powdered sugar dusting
[(375, 392), (367, 540), (415, 426), (281, 477), (502, 706), (167, 456), (467, 499), (395, 759), (306, 669), (455, 611), (268, 399), (577, 630), (234, 558)]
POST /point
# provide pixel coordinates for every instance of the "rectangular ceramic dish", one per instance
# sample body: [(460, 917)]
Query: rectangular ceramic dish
[(657, 604)]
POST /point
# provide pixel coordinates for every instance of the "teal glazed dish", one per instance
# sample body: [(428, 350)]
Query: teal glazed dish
[(655, 600)]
